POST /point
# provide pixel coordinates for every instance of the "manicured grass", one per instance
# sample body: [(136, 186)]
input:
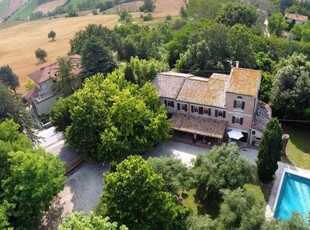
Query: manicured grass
[(298, 147), (189, 201), (3, 6), (257, 191), (25, 11)]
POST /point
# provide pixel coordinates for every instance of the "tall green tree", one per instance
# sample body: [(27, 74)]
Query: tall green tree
[(241, 46), (135, 184), (35, 177), (11, 106), (269, 152), (290, 97), (241, 209), (96, 58), (276, 23), (40, 54), (117, 117), (80, 221), (66, 82), (296, 221), (223, 168), (234, 13), (9, 78)]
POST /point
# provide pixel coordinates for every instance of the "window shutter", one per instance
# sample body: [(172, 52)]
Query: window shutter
[(185, 108), (216, 112), (165, 101), (233, 119), (235, 104), (178, 106), (243, 104), (241, 121), (200, 110), (224, 114), (209, 112), (192, 108), (172, 104)]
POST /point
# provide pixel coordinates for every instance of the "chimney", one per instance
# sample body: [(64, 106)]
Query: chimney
[(237, 64)]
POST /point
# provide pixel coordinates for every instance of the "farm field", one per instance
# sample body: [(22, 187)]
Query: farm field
[(18, 43), (24, 11), (3, 7), (50, 6)]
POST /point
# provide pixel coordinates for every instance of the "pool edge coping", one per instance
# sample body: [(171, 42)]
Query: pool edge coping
[(291, 171)]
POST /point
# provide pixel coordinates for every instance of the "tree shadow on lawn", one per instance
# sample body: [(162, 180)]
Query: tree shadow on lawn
[(299, 135)]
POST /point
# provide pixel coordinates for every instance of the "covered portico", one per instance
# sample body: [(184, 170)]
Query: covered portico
[(203, 131)]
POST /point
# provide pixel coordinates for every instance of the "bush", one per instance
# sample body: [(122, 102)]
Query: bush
[(168, 17), (148, 17)]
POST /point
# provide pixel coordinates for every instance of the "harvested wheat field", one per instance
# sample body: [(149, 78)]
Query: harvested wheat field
[(18, 43)]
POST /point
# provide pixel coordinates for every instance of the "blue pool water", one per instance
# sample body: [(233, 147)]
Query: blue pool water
[(294, 196)]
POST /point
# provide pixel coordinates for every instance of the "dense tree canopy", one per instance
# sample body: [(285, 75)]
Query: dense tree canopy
[(96, 58), (223, 168), (117, 117), (81, 221), (290, 97), (141, 71), (8, 78), (276, 23), (176, 175), (234, 13), (29, 179), (269, 152), (241, 209), (135, 184), (199, 9)]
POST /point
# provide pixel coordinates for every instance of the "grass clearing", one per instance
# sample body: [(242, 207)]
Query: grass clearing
[(189, 201), (298, 147), (24, 11)]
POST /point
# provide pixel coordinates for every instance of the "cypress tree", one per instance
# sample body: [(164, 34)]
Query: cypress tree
[(269, 152)]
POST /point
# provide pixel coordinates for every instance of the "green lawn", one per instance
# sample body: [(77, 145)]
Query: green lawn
[(298, 147), (3, 6), (25, 11)]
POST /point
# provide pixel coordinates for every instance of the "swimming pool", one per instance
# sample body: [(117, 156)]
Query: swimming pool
[(294, 196)]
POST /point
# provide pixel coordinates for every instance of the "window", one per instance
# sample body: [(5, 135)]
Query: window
[(237, 120), (169, 103), (182, 107), (220, 113), (239, 104), (207, 111), (194, 109)]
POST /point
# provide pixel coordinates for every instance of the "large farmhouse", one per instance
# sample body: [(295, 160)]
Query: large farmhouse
[(207, 108), (43, 95)]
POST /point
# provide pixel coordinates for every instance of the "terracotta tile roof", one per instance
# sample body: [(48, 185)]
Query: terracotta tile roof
[(204, 91), (33, 93), (262, 117), (297, 17), (169, 84), (244, 81), (50, 71), (198, 125)]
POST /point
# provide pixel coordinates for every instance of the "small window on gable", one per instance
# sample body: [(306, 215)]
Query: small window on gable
[(238, 104), (239, 97)]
